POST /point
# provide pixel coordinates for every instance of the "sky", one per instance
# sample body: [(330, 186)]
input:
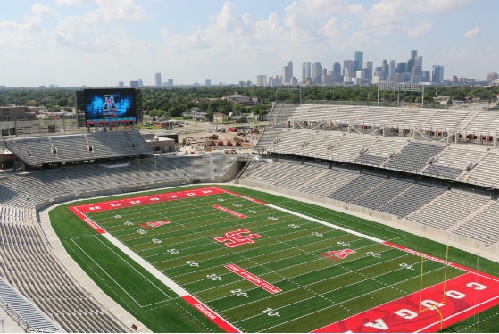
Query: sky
[(97, 43)]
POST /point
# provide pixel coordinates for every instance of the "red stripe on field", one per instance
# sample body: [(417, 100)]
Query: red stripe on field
[(253, 279), (245, 197), (464, 296), (232, 212), (426, 256), (87, 220), (150, 199), (215, 318)]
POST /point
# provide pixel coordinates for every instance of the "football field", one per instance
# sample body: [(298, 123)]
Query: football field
[(249, 266)]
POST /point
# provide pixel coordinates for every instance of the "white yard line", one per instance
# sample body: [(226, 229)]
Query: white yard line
[(336, 227)]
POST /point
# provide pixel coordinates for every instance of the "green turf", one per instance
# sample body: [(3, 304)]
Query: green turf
[(289, 258)]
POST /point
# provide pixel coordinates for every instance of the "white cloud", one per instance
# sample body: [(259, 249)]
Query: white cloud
[(71, 31), (23, 35), (308, 20), (110, 10), (472, 32), (440, 6), (87, 37), (31, 21), (73, 2), (101, 29), (40, 10), (118, 10), (393, 16), (419, 30)]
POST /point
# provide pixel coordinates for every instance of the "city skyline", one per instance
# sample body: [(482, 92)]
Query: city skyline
[(357, 72), (102, 42)]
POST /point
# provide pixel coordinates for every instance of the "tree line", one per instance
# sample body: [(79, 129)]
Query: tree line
[(171, 102)]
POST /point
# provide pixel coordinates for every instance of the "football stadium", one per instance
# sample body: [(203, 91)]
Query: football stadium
[(340, 218)]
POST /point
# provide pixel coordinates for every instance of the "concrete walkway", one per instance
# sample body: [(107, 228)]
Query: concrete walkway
[(8, 325)]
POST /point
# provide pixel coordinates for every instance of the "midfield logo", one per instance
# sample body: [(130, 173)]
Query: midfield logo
[(236, 238)]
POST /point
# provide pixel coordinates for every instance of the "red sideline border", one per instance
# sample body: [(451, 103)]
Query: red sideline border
[(214, 317), (394, 316)]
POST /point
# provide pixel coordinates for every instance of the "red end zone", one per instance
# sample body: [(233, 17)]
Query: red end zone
[(427, 310), (81, 210)]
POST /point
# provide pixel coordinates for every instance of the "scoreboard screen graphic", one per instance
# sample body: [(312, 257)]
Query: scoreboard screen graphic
[(110, 106)]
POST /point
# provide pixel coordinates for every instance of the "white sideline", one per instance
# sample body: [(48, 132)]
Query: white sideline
[(147, 266), (326, 223)]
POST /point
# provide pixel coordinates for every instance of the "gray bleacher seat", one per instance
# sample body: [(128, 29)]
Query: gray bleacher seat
[(268, 136), (411, 199), (30, 266), (442, 171), (483, 226), (449, 209), (356, 188), (281, 113), (382, 193), (80, 147), (413, 157), (369, 159)]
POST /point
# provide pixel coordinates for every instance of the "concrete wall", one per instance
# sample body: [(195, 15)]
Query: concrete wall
[(206, 175)]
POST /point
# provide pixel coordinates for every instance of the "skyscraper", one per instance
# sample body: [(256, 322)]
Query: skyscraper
[(357, 61), (384, 70), (369, 71), (410, 63), (261, 80), (348, 70), (417, 69), (306, 73), (337, 73), (391, 71), (414, 54), (437, 74), (316, 73), (287, 73), (275, 81), (158, 82), (324, 76)]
